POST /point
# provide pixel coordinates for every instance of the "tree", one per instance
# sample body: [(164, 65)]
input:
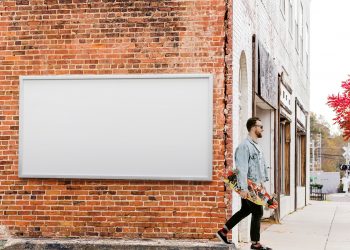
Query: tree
[(341, 106), (332, 145)]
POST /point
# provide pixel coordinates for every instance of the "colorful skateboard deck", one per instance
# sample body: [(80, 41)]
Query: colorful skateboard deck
[(256, 193)]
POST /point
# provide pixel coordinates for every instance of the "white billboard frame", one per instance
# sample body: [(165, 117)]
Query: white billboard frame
[(47, 125)]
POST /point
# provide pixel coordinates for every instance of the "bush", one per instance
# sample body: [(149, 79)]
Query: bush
[(314, 185)]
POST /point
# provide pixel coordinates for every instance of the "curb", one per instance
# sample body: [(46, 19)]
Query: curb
[(89, 244)]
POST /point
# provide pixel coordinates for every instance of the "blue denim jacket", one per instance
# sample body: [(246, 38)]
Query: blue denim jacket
[(250, 163)]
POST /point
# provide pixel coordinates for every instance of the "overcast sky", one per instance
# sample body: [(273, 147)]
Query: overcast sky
[(330, 51)]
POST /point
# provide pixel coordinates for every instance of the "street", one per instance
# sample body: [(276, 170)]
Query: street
[(322, 225)]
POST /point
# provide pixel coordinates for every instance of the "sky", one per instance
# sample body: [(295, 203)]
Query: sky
[(330, 53)]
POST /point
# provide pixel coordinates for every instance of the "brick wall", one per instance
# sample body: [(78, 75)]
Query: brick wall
[(54, 37), (271, 27)]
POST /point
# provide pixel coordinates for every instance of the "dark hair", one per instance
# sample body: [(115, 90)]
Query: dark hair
[(252, 122)]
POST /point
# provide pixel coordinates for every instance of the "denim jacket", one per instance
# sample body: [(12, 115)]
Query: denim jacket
[(250, 163)]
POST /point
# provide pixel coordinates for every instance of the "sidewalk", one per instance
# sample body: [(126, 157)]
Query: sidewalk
[(322, 225)]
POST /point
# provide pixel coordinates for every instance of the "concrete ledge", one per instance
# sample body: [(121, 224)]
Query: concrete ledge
[(89, 244)]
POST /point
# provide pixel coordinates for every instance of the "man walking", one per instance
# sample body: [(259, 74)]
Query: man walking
[(250, 163)]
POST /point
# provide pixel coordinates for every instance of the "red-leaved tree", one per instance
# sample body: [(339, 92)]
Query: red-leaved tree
[(341, 106)]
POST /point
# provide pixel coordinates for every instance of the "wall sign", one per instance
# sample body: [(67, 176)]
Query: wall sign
[(116, 127)]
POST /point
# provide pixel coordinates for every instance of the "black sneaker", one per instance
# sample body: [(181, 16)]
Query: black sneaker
[(259, 247), (222, 236)]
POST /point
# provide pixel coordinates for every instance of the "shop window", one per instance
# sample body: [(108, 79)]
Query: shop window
[(301, 159), (284, 158)]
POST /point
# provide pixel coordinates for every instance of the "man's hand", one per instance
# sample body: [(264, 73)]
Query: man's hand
[(244, 194)]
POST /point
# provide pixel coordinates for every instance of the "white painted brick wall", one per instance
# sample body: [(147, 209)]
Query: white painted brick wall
[(264, 18)]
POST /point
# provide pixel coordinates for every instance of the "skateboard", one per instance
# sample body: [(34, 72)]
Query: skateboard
[(256, 193)]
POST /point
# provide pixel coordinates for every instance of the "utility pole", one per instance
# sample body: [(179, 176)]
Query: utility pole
[(312, 146), (320, 150), (346, 155), (316, 152)]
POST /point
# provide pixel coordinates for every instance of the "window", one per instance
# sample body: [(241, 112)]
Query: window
[(301, 33), (307, 49), (307, 64), (290, 19), (283, 7), (301, 159), (284, 157), (301, 49), (307, 37), (296, 36)]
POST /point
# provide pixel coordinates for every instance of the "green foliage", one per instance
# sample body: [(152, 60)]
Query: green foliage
[(320, 186)]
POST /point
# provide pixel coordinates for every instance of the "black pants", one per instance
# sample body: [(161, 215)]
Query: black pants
[(247, 208)]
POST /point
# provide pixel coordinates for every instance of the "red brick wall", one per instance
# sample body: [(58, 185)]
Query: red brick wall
[(54, 37), (228, 100)]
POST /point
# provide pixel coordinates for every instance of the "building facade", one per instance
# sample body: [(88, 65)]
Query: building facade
[(271, 55), (257, 53), (112, 37)]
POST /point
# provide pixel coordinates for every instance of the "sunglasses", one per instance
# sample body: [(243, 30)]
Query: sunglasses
[(261, 126)]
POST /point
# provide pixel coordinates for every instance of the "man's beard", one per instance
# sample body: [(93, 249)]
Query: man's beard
[(258, 134)]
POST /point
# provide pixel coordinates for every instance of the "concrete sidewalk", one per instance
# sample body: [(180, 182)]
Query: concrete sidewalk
[(322, 225)]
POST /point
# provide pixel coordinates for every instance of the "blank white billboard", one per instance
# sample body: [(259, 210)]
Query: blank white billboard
[(154, 127)]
